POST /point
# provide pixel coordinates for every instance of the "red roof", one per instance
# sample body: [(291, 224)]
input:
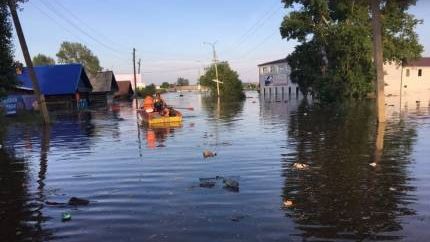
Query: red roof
[(424, 61)]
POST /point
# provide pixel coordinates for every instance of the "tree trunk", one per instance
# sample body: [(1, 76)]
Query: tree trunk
[(378, 59)]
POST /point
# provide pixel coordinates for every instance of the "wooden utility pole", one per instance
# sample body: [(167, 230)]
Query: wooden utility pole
[(138, 65), (215, 60), (39, 96), (134, 68), (378, 59)]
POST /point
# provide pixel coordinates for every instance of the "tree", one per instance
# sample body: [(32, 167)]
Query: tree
[(231, 87), (71, 52), (334, 57), (41, 59), (182, 82), (165, 85), (7, 66), (149, 90)]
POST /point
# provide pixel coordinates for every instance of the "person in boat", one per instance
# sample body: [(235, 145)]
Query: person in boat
[(161, 106), (148, 104)]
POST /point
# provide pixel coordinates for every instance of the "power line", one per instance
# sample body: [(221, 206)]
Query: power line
[(63, 17), (258, 45), (93, 30)]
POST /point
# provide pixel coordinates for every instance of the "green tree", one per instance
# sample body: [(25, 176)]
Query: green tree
[(7, 66), (165, 85), (42, 59), (182, 82), (231, 87), (71, 52), (334, 56), (149, 90)]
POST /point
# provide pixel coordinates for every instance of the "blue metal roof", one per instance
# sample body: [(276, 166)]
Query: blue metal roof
[(57, 79)]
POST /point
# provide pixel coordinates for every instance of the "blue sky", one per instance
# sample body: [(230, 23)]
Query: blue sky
[(169, 34)]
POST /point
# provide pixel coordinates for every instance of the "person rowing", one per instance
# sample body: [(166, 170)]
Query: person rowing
[(160, 105)]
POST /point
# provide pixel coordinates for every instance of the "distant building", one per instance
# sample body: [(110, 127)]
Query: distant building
[(65, 86), (274, 79), (125, 90), (130, 77), (104, 87), (411, 81)]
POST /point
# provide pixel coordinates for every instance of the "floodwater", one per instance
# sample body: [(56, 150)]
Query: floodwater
[(143, 184)]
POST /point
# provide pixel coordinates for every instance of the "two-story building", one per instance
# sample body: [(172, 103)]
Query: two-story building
[(275, 82), (410, 81)]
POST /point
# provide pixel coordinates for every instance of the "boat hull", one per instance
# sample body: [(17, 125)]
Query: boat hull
[(154, 119)]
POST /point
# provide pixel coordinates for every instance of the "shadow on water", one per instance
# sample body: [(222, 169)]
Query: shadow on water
[(340, 195)]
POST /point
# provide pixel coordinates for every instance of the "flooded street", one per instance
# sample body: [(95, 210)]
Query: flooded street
[(143, 183)]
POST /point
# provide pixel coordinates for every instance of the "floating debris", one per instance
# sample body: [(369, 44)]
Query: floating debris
[(300, 166), (373, 164), (207, 154), (237, 218), (231, 184), (288, 203), (66, 217), (75, 201), (392, 189), (54, 203)]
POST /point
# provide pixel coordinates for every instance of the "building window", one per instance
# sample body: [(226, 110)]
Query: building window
[(281, 68), (273, 69), (408, 72), (420, 72), (265, 70)]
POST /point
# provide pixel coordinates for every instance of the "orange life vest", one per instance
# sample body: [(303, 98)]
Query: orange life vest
[(148, 103)]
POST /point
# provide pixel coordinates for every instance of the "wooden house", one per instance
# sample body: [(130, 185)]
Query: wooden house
[(104, 87), (66, 87), (125, 90)]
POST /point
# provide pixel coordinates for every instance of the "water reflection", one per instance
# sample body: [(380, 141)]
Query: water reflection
[(341, 196), (226, 111), (157, 136), (21, 210)]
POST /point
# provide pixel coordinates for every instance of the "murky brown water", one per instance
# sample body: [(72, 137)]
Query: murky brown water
[(143, 183)]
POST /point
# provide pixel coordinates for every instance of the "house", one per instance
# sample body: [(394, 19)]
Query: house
[(411, 81), (125, 90), (274, 79), (130, 77), (104, 87), (65, 86)]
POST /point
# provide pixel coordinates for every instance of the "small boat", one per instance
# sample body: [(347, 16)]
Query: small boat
[(158, 120)]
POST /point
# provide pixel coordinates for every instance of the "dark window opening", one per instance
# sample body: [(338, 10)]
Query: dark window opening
[(408, 72), (420, 72)]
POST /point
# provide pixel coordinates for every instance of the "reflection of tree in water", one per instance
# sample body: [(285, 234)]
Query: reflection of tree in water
[(341, 196), (20, 213), (224, 109)]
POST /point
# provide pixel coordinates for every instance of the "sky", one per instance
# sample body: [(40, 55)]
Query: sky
[(169, 35)]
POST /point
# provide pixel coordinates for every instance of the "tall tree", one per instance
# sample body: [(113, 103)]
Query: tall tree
[(334, 57), (182, 82), (231, 87), (71, 52), (7, 67), (41, 59)]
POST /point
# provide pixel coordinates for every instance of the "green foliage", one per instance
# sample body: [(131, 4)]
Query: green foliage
[(78, 53), (146, 91), (231, 88), (182, 82), (7, 66), (165, 85), (41, 59), (334, 57)]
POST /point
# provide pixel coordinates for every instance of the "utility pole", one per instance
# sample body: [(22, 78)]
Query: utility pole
[(39, 96), (134, 76), (215, 60), (138, 65), (378, 59)]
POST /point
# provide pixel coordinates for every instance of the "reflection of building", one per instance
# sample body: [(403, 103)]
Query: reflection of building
[(411, 81), (275, 79)]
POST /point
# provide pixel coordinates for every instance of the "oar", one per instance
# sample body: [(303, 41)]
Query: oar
[(190, 108)]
